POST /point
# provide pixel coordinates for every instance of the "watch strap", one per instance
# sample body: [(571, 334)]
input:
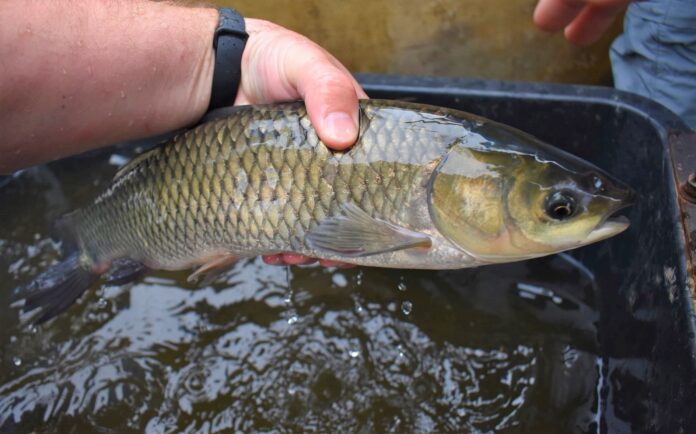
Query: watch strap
[(228, 42)]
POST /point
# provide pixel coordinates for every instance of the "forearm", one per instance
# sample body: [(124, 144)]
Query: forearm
[(77, 75)]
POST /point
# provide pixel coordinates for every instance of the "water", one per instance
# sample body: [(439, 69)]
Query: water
[(291, 349)]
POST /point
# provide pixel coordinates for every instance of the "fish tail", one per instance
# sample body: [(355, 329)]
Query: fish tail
[(56, 289)]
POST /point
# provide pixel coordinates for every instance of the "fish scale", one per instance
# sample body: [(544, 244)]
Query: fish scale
[(233, 184), (257, 180), (423, 187)]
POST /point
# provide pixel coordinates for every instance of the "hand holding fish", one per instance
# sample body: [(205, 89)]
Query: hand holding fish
[(281, 65), (77, 76), (81, 75), (423, 187), (584, 21)]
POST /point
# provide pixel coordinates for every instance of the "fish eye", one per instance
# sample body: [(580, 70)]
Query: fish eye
[(560, 205)]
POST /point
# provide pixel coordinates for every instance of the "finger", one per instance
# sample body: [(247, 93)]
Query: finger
[(331, 98), (296, 259), (273, 259), (554, 15), (358, 89), (591, 24)]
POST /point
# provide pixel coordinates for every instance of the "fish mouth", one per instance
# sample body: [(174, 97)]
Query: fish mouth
[(624, 197), (608, 228)]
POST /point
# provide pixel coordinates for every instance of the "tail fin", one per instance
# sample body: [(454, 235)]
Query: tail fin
[(57, 288)]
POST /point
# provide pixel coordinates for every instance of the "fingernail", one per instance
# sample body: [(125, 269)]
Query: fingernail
[(341, 125)]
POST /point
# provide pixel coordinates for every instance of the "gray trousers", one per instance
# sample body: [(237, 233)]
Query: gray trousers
[(656, 55)]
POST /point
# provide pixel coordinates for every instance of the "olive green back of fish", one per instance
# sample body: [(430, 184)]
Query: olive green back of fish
[(258, 179)]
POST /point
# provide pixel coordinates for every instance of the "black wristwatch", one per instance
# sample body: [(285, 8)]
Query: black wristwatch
[(228, 42)]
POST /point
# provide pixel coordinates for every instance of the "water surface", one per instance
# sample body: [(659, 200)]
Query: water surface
[(506, 348)]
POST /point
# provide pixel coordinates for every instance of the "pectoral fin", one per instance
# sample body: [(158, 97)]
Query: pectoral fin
[(212, 268), (355, 233)]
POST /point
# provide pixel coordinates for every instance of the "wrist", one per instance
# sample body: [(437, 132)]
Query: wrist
[(192, 71)]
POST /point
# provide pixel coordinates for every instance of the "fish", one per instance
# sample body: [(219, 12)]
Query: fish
[(424, 187)]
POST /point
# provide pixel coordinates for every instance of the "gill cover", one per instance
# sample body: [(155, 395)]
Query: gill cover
[(466, 199)]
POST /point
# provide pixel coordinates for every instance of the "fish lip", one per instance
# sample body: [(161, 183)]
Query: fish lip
[(614, 225), (608, 228)]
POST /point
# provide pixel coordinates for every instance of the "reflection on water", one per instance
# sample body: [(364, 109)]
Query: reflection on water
[(497, 349)]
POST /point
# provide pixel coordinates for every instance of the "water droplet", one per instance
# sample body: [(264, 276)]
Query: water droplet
[(102, 303), (400, 349), (339, 280), (16, 361), (354, 353), (118, 160), (123, 94), (359, 278), (32, 251), (292, 320), (195, 384), (291, 391), (406, 307), (13, 339), (401, 286), (33, 330)]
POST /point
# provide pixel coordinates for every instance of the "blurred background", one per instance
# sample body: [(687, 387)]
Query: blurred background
[(491, 39)]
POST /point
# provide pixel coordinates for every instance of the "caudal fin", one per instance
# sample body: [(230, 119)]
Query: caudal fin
[(57, 288)]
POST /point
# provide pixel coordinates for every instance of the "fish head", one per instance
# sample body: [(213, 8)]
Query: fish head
[(508, 203)]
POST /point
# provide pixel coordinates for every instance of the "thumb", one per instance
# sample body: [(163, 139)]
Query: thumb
[(331, 98)]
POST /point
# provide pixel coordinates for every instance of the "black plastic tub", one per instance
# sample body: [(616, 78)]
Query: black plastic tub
[(625, 304), (646, 316)]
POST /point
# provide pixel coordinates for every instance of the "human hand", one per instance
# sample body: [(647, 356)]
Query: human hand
[(281, 65), (584, 21)]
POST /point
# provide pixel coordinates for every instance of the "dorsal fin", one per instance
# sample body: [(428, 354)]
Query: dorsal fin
[(151, 144), (134, 162)]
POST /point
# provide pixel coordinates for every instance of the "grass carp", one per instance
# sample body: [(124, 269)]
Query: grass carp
[(424, 187)]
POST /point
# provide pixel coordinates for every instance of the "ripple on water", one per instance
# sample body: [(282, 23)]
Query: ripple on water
[(367, 351)]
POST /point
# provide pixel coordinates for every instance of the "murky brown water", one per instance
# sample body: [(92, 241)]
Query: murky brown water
[(288, 349)]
